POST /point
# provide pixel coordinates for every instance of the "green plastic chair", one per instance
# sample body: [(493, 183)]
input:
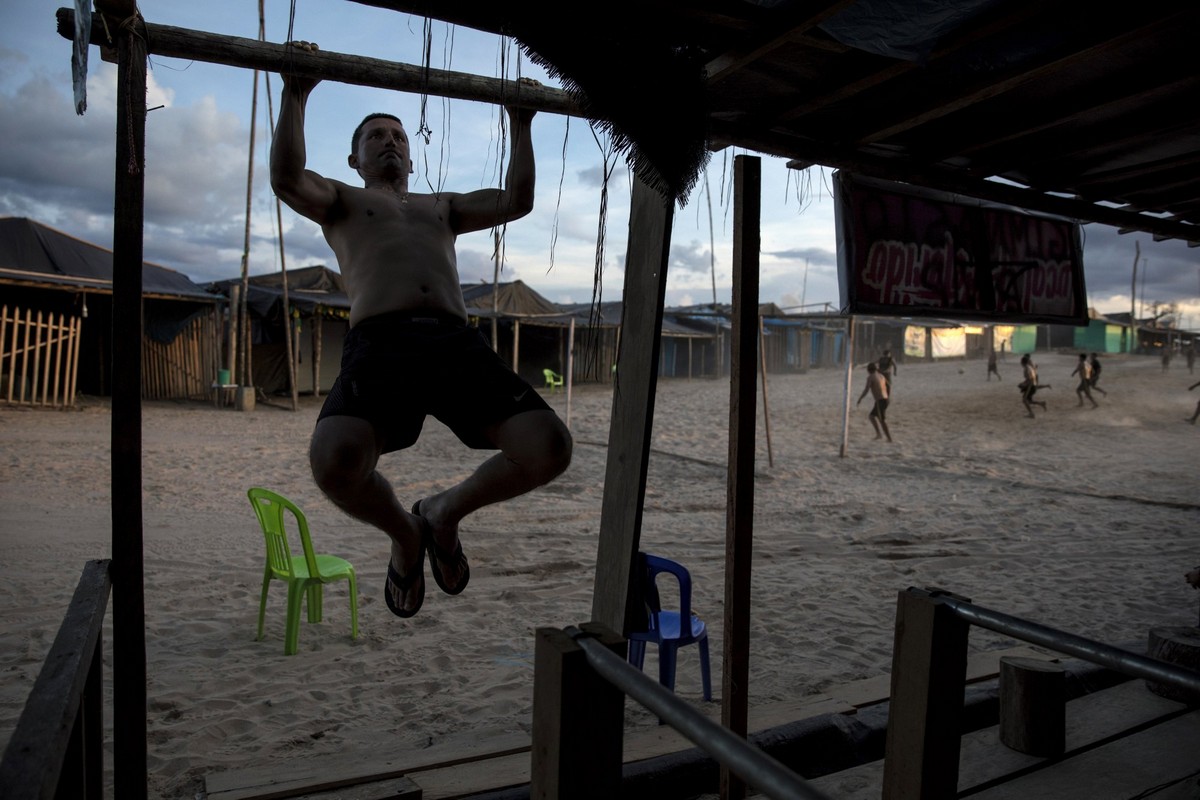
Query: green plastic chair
[(553, 380), (305, 574)]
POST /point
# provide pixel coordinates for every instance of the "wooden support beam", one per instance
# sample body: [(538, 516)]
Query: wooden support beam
[(236, 51), (650, 218), (743, 406), (128, 560), (929, 669), (578, 718)]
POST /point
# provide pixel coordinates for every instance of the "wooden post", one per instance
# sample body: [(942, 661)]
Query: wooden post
[(846, 389), (762, 357), (739, 508), (629, 430), (235, 313), (569, 378), (129, 604), (1033, 706), (516, 345), (1179, 646), (318, 335), (929, 671), (496, 293), (578, 719)]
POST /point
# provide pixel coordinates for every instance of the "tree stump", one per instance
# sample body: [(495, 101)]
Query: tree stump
[(1033, 706), (1175, 646)]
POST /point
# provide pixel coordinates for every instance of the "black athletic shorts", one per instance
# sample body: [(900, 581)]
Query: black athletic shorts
[(399, 367)]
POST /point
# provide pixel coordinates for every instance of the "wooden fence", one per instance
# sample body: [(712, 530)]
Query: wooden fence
[(186, 368), (39, 357)]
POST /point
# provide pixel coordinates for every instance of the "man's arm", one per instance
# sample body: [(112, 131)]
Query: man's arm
[(866, 389), (482, 209), (305, 191)]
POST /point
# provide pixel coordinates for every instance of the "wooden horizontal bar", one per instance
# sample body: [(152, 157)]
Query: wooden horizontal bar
[(236, 51)]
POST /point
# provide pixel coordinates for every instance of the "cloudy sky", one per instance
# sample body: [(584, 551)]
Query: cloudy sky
[(57, 167)]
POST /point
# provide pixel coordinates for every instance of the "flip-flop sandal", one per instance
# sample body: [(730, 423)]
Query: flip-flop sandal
[(438, 555), (404, 583)]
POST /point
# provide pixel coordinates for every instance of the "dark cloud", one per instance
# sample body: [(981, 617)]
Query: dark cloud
[(1167, 271), (690, 257), (815, 256)]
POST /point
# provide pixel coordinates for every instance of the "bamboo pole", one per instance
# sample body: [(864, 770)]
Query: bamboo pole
[(849, 378), (38, 383), (1137, 253), (496, 295), (73, 375), (3, 348), (243, 311), (516, 345), (317, 335), (25, 356), (570, 376), (60, 327), (762, 356), (327, 65)]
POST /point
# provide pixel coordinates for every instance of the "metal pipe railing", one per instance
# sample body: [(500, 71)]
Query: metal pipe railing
[(756, 768), (1123, 661)]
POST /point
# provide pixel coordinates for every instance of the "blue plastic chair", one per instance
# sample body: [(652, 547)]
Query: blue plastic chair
[(305, 574), (667, 629)]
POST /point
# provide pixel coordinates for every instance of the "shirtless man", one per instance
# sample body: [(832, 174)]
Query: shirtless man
[(1029, 385), (1084, 370), (878, 387), (410, 351)]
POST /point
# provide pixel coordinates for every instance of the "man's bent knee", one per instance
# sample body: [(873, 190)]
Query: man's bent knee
[(342, 455)]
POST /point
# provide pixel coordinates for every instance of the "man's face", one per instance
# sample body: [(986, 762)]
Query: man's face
[(382, 150)]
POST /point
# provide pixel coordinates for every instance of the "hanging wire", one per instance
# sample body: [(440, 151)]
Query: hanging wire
[(592, 333), (558, 202)]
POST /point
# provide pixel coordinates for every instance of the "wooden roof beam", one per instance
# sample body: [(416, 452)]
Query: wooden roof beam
[(954, 181), (897, 68), (783, 27), (960, 97)]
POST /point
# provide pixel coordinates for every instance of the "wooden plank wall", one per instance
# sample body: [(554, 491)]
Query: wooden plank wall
[(39, 357), (186, 368)]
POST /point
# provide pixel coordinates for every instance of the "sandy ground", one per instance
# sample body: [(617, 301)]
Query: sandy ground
[(1083, 519)]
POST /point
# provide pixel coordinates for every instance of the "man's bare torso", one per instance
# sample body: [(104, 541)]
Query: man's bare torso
[(396, 253)]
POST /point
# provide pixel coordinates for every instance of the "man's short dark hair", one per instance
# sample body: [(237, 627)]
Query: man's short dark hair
[(358, 131)]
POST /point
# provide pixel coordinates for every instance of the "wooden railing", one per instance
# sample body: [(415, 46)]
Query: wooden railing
[(929, 659), (56, 750), (581, 678), (39, 356)]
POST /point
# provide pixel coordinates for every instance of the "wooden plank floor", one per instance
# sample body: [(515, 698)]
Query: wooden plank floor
[(474, 766), (1107, 721)]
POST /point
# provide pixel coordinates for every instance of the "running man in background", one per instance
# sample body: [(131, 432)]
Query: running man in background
[(878, 387), (1095, 362), (887, 368), (1029, 385), (1197, 414), (1084, 370), (992, 366)]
